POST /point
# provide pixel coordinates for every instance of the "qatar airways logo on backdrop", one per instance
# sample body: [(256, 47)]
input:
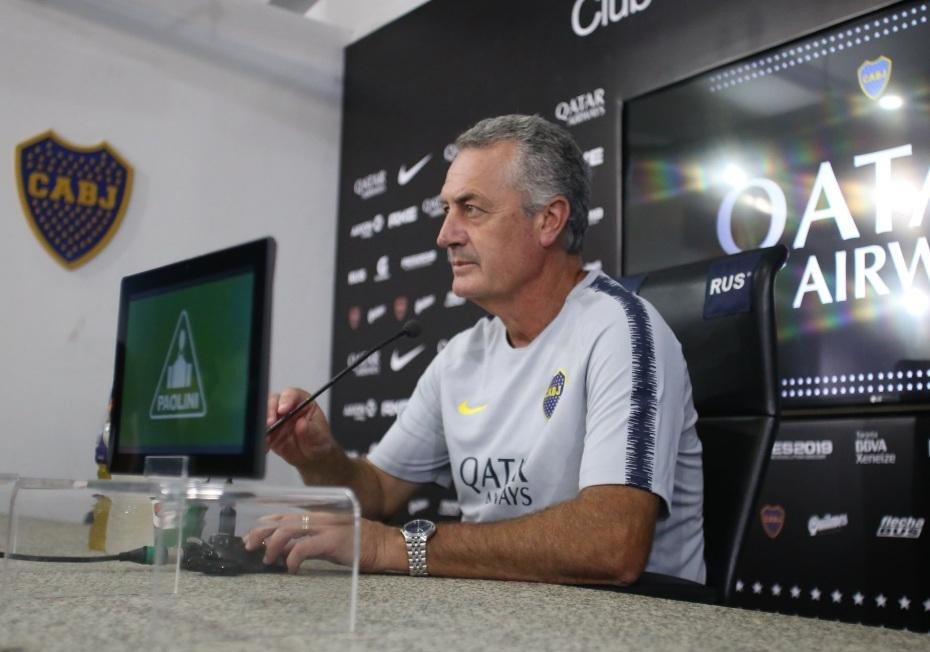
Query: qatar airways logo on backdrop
[(581, 108), (899, 208), (588, 15)]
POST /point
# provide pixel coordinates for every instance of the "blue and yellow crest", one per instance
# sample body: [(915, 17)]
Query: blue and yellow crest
[(553, 393), (73, 197), (773, 519), (874, 77)]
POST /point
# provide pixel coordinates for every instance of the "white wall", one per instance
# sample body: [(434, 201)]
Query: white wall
[(361, 17), (229, 112)]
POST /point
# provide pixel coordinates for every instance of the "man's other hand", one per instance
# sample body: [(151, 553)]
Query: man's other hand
[(303, 439), (320, 535)]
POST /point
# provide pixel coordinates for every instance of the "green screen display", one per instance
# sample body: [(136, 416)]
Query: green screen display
[(187, 368)]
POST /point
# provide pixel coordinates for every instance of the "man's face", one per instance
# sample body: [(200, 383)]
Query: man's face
[(492, 244)]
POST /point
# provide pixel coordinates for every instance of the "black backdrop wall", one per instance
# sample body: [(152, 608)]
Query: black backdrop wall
[(411, 87)]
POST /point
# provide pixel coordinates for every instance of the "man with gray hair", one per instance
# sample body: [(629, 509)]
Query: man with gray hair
[(565, 422)]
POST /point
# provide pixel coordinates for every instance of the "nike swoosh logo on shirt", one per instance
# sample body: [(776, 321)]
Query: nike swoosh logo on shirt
[(466, 409), (398, 362), (404, 175)]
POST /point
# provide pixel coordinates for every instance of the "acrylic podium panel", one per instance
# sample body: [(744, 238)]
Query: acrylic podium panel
[(188, 537)]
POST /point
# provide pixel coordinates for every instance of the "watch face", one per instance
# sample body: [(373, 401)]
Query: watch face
[(419, 526)]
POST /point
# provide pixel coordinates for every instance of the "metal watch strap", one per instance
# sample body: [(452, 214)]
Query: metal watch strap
[(416, 553)]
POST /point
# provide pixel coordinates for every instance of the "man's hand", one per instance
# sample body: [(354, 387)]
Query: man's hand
[(306, 442), (319, 535), (305, 438)]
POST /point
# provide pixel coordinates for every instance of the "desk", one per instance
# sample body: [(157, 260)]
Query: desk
[(405, 613)]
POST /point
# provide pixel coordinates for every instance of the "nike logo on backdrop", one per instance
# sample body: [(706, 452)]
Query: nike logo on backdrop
[(466, 409), (404, 175), (398, 362)]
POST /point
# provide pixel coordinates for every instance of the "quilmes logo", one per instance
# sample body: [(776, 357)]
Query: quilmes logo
[(773, 520), (371, 185), (368, 228), (73, 197), (370, 367), (900, 527), (802, 449), (874, 76), (826, 523), (588, 15), (553, 393), (581, 108)]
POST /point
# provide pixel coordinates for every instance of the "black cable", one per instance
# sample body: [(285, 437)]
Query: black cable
[(141, 555)]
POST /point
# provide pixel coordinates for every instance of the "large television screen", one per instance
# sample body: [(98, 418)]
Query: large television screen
[(822, 144)]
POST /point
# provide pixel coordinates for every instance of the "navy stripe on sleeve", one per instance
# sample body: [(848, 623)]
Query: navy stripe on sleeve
[(641, 431)]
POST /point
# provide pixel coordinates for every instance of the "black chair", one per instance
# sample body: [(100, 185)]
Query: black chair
[(726, 326)]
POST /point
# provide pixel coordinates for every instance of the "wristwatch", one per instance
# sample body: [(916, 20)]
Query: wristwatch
[(416, 533)]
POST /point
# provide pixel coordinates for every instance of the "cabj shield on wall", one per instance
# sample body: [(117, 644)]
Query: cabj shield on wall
[(73, 197)]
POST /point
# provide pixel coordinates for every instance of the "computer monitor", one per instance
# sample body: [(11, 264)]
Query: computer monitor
[(191, 374)]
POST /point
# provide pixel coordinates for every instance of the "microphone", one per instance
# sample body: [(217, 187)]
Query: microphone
[(411, 328)]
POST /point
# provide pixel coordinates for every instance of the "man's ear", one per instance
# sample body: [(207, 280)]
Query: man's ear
[(552, 220)]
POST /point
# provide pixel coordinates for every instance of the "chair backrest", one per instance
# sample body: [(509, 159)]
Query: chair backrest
[(722, 311)]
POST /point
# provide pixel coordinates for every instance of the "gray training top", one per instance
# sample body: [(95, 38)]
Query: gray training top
[(601, 396)]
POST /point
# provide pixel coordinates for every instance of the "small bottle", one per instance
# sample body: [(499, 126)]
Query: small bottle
[(102, 452), (100, 514)]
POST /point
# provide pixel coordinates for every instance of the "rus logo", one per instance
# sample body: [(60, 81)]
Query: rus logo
[(73, 197), (725, 284)]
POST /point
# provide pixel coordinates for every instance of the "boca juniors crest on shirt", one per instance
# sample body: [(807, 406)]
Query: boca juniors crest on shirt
[(73, 197), (553, 393)]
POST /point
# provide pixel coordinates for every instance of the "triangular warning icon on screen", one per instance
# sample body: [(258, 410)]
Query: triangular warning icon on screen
[(179, 393)]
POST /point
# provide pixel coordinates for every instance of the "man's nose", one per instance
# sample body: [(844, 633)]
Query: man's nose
[(451, 233)]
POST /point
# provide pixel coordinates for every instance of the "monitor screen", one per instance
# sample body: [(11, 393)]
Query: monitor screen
[(822, 144), (191, 363)]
